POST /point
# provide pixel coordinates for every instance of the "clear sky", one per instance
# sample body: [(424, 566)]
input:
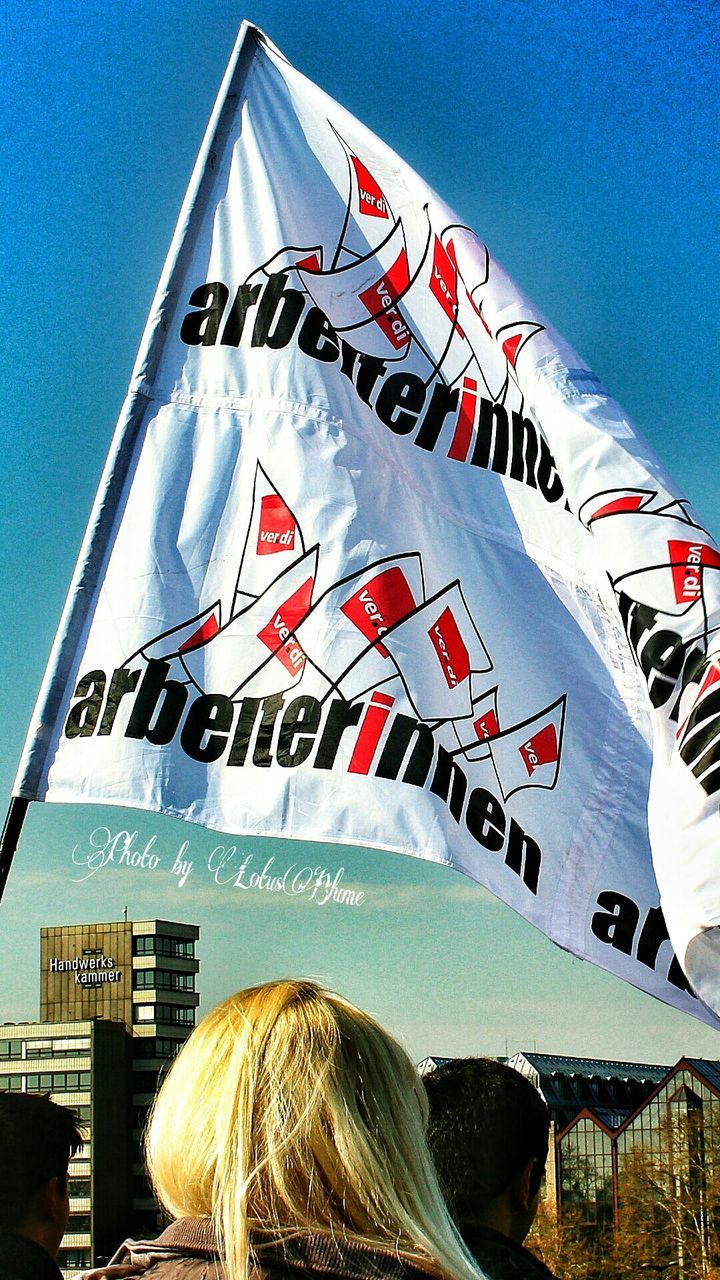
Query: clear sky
[(580, 140)]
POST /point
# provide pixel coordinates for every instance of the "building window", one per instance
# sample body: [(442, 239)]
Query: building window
[(586, 1174), (11, 1082), (38, 1049), (59, 1082), (176, 1014), (78, 1223), (153, 944), (73, 1259), (10, 1048), (162, 980), (171, 1014), (57, 1048), (150, 1048), (145, 1081), (79, 1188)]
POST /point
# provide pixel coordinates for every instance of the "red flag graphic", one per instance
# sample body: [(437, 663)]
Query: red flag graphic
[(510, 347), (450, 649), (276, 530), (188, 635), (277, 633), (204, 633), (687, 560), (629, 503), (512, 344), (443, 282), (541, 749), (379, 299), (380, 604), (371, 200), (487, 725), (483, 725), (312, 263)]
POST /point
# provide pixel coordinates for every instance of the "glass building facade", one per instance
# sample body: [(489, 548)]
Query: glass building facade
[(657, 1172), (587, 1172), (117, 1001)]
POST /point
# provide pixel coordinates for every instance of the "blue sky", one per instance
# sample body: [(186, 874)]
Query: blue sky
[(579, 139)]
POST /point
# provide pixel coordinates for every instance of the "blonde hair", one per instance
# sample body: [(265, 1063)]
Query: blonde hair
[(290, 1111)]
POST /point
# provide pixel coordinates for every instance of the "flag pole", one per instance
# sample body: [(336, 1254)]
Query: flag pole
[(75, 621), (10, 836)]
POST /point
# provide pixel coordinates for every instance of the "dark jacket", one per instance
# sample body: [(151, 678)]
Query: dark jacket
[(186, 1250), (501, 1258), (22, 1259)]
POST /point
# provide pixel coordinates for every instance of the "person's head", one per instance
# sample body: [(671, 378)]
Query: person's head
[(488, 1133), (37, 1139), (290, 1111)]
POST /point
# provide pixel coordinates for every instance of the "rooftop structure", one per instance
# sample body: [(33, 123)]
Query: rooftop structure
[(612, 1088)]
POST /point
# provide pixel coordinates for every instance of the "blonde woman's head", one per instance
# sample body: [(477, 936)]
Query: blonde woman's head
[(289, 1111)]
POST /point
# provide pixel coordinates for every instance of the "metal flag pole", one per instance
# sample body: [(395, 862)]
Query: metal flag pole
[(10, 836), (122, 457)]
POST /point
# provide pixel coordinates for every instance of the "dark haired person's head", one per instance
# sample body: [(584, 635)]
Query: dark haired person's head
[(488, 1133), (37, 1139)]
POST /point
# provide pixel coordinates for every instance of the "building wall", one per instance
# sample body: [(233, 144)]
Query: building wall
[(549, 1193), (111, 1088), (655, 1178), (86, 972), (101, 1047), (84, 1066)]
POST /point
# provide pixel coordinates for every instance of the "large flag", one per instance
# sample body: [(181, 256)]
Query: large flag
[(377, 559)]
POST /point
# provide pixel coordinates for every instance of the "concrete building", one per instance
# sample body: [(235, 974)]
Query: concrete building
[(117, 1000)]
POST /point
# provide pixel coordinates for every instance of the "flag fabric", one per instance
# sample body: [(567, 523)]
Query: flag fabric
[(377, 559)]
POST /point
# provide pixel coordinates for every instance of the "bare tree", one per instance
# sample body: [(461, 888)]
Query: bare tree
[(667, 1219)]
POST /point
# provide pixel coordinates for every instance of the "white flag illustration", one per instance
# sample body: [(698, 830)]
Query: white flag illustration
[(186, 636), (435, 650), (274, 541), (528, 755), (656, 555), (343, 633), (256, 653), (483, 723), (361, 297), (369, 213)]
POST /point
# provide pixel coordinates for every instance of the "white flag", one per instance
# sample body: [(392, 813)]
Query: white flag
[(529, 755), (257, 652), (436, 649), (377, 559), (274, 541)]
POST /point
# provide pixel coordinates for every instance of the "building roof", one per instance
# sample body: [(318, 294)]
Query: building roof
[(549, 1064), (611, 1117), (429, 1064), (611, 1089), (710, 1071)]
